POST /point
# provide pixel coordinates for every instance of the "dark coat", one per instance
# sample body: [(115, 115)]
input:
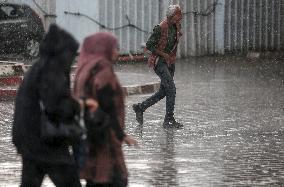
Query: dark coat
[(105, 163), (47, 80)]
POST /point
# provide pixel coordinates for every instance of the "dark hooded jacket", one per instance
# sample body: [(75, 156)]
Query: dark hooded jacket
[(47, 80)]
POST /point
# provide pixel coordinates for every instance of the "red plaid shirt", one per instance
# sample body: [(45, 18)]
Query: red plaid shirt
[(162, 43)]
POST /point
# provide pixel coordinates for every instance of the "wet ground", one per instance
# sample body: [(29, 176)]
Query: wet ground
[(233, 112), (15, 58)]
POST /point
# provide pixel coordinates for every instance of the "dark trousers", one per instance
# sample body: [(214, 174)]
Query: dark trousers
[(167, 88), (63, 175)]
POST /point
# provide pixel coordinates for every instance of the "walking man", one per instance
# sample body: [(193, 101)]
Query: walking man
[(163, 47)]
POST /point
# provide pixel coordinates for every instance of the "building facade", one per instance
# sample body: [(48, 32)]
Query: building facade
[(209, 26)]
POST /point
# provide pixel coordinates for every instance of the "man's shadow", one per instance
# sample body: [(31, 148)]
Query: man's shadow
[(166, 173), (139, 131)]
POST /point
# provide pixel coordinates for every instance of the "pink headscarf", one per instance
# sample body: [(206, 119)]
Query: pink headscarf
[(97, 50), (97, 47)]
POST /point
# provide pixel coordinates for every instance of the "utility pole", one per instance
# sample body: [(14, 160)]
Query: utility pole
[(219, 27), (50, 17), (46, 10)]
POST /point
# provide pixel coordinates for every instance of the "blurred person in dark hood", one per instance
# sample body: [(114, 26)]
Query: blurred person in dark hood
[(48, 80)]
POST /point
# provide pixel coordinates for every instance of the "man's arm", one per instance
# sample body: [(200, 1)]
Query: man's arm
[(164, 55), (152, 43)]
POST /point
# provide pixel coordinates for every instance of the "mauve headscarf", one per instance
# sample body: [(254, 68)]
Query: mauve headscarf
[(97, 50), (97, 47)]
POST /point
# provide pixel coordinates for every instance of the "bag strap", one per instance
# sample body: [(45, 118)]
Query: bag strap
[(93, 72), (88, 83), (82, 121), (41, 105), (82, 124)]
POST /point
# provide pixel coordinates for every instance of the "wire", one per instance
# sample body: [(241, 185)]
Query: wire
[(40, 8), (209, 10), (106, 27), (45, 14)]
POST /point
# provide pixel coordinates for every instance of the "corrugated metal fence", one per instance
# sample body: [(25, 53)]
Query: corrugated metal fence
[(209, 26), (142, 13), (254, 25)]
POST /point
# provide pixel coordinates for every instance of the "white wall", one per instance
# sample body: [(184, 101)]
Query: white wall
[(79, 26)]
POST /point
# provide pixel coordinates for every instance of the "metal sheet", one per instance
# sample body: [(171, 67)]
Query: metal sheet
[(253, 25), (234, 26)]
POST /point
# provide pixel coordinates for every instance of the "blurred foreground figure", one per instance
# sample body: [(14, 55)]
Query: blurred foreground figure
[(48, 82), (163, 47), (97, 85)]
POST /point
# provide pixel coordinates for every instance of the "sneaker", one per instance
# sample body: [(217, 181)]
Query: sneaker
[(172, 123), (139, 113)]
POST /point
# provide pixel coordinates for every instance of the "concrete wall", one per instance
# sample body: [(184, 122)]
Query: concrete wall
[(78, 25)]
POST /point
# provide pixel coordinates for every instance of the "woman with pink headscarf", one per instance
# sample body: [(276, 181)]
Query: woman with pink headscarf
[(105, 164)]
